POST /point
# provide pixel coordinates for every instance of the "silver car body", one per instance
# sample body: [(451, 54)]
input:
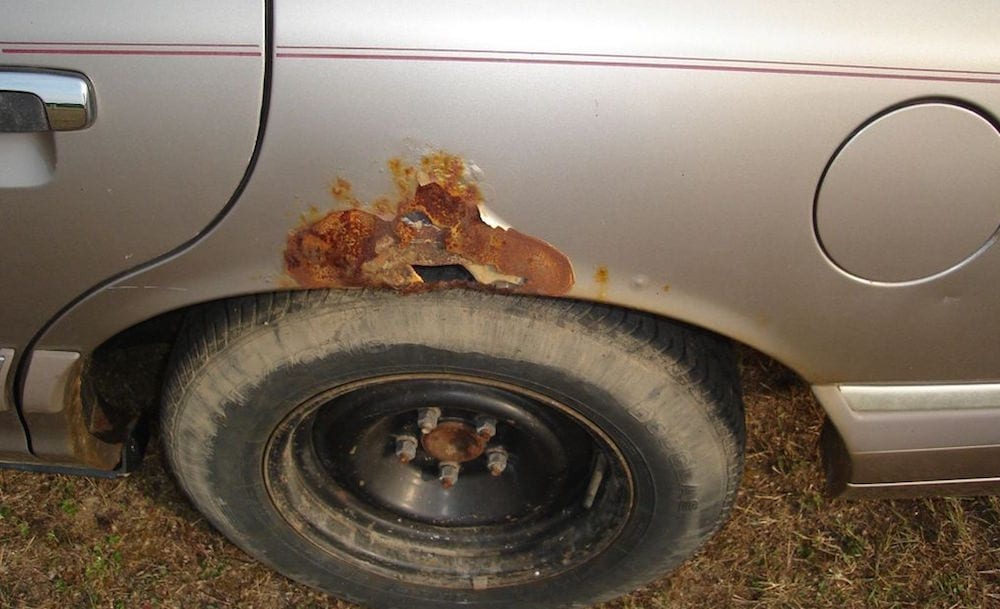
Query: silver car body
[(821, 183)]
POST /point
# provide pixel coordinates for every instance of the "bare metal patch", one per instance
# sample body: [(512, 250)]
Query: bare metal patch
[(435, 221)]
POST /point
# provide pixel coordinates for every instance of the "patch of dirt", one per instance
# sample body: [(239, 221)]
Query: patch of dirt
[(70, 542)]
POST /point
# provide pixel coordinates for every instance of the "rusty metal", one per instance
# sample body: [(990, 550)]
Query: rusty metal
[(427, 418), (486, 426), (496, 460), (406, 448), (454, 442), (436, 222), (448, 474), (86, 447), (601, 280)]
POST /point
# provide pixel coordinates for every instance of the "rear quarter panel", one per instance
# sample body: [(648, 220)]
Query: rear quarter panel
[(671, 150)]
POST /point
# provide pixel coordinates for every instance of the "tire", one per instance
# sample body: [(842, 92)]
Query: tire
[(285, 418)]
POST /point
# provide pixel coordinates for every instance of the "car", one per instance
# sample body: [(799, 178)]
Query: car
[(450, 291)]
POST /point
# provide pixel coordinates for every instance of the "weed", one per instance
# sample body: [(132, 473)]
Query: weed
[(805, 550), (950, 585), (211, 570), (852, 545), (105, 558)]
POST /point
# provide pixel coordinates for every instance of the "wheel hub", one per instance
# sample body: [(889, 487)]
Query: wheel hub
[(454, 442)]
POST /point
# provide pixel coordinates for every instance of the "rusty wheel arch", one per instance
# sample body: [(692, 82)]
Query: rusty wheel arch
[(434, 220)]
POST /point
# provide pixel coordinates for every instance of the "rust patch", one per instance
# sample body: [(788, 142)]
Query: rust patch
[(87, 448), (454, 442), (342, 191), (601, 279), (435, 222)]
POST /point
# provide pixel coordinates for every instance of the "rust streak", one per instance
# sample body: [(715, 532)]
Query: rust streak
[(601, 279), (436, 222), (342, 191)]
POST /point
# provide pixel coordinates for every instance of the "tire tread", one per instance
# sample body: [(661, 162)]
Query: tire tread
[(702, 362)]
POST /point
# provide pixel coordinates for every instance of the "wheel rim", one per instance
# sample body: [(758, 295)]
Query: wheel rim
[(341, 471)]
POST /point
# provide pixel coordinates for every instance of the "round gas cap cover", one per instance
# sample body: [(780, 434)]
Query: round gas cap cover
[(913, 194)]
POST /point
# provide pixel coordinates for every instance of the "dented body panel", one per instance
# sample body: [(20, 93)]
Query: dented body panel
[(660, 156)]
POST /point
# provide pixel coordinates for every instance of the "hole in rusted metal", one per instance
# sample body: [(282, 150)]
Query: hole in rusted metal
[(446, 272), (417, 219)]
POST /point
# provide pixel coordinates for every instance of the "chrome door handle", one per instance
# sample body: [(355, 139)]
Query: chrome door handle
[(44, 100)]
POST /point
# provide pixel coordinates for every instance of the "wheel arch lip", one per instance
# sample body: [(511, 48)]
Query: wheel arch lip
[(153, 302)]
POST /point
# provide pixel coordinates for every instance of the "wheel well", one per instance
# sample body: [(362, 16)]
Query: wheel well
[(121, 380), (123, 377)]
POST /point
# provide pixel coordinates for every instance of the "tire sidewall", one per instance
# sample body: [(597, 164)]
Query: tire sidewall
[(254, 382)]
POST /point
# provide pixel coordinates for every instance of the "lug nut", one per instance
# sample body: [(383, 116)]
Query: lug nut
[(427, 418), (448, 474), (406, 448), (486, 426), (496, 461)]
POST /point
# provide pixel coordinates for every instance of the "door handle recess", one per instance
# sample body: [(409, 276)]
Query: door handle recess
[(44, 100)]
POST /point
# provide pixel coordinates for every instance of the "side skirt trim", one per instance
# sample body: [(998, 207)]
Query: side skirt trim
[(910, 441)]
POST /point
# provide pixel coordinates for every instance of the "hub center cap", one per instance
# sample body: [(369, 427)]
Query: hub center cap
[(454, 442)]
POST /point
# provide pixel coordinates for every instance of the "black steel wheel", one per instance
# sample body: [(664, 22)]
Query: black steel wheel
[(337, 470), (454, 448)]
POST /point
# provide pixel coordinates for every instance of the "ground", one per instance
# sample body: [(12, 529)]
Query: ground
[(69, 542)]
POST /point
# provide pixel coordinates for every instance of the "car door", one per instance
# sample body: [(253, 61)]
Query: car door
[(125, 129)]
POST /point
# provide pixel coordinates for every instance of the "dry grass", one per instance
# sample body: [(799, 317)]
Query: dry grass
[(73, 542)]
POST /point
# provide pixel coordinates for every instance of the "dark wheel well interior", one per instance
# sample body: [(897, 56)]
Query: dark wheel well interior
[(122, 379)]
